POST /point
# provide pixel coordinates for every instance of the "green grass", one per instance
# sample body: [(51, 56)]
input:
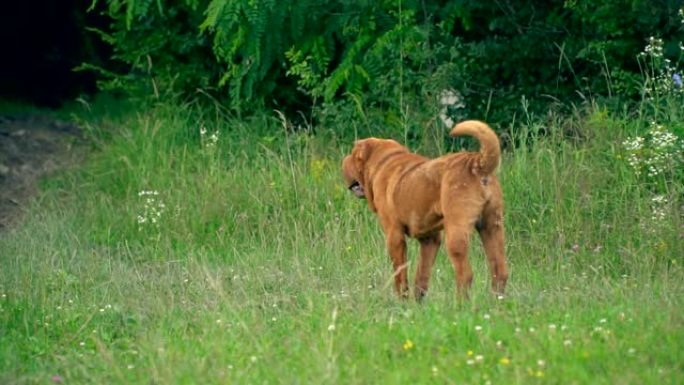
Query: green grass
[(264, 269)]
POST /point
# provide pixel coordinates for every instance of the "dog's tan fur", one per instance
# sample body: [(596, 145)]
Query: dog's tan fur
[(419, 197)]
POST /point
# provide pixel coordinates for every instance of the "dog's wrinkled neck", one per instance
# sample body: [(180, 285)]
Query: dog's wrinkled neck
[(381, 162)]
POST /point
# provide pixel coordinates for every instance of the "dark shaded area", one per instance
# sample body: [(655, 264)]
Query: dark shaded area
[(42, 42), (31, 147)]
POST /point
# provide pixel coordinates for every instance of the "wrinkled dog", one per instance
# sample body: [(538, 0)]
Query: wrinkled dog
[(419, 197)]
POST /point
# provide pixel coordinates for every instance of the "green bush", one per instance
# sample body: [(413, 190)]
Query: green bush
[(157, 48), (388, 63)]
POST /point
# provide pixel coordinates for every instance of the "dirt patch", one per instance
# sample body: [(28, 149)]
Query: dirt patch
[(31, 146)]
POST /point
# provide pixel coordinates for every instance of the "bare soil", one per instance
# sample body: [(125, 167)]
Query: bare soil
[(32, 146)]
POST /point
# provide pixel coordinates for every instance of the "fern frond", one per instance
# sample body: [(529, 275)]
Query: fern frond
[(130, 9), (214, 11)]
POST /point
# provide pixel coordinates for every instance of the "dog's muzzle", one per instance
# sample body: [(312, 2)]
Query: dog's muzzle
[(357, 189)]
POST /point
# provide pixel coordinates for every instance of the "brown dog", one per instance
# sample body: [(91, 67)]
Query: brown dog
[(419, 197)]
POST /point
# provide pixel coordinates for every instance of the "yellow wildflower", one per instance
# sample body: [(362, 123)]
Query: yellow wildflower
[(317, 168)]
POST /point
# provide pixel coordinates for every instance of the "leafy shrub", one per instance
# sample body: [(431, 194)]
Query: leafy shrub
[(157, 47), (386, 64)]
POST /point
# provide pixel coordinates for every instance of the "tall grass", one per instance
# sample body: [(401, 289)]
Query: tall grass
[(259, 267)]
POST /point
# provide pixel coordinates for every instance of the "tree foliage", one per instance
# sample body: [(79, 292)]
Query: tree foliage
[(392, 56)]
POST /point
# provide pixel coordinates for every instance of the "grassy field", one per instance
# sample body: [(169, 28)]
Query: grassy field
[(193, 248)]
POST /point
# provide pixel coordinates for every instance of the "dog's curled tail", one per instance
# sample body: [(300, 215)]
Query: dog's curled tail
[(490, 151)]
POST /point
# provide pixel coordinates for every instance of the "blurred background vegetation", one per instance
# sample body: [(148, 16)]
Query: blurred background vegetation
[(382, 64)]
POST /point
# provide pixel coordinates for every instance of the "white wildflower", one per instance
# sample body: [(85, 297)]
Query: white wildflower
[(450, 100), (654, 48), (152, 209), (659, 208), (656, 154), (212, 140)]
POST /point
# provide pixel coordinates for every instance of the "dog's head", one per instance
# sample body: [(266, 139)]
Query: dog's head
[(355, 166), (352, 176)]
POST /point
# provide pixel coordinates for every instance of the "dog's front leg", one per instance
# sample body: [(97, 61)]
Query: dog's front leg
[(396, 245), (428, 251)]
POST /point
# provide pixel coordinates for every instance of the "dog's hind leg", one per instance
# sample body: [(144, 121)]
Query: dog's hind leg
[(457, 240), (428, 251), (492, 235), (396, 245)]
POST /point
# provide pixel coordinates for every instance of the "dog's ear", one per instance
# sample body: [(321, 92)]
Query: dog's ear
[(361, 154), (362, 149)]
